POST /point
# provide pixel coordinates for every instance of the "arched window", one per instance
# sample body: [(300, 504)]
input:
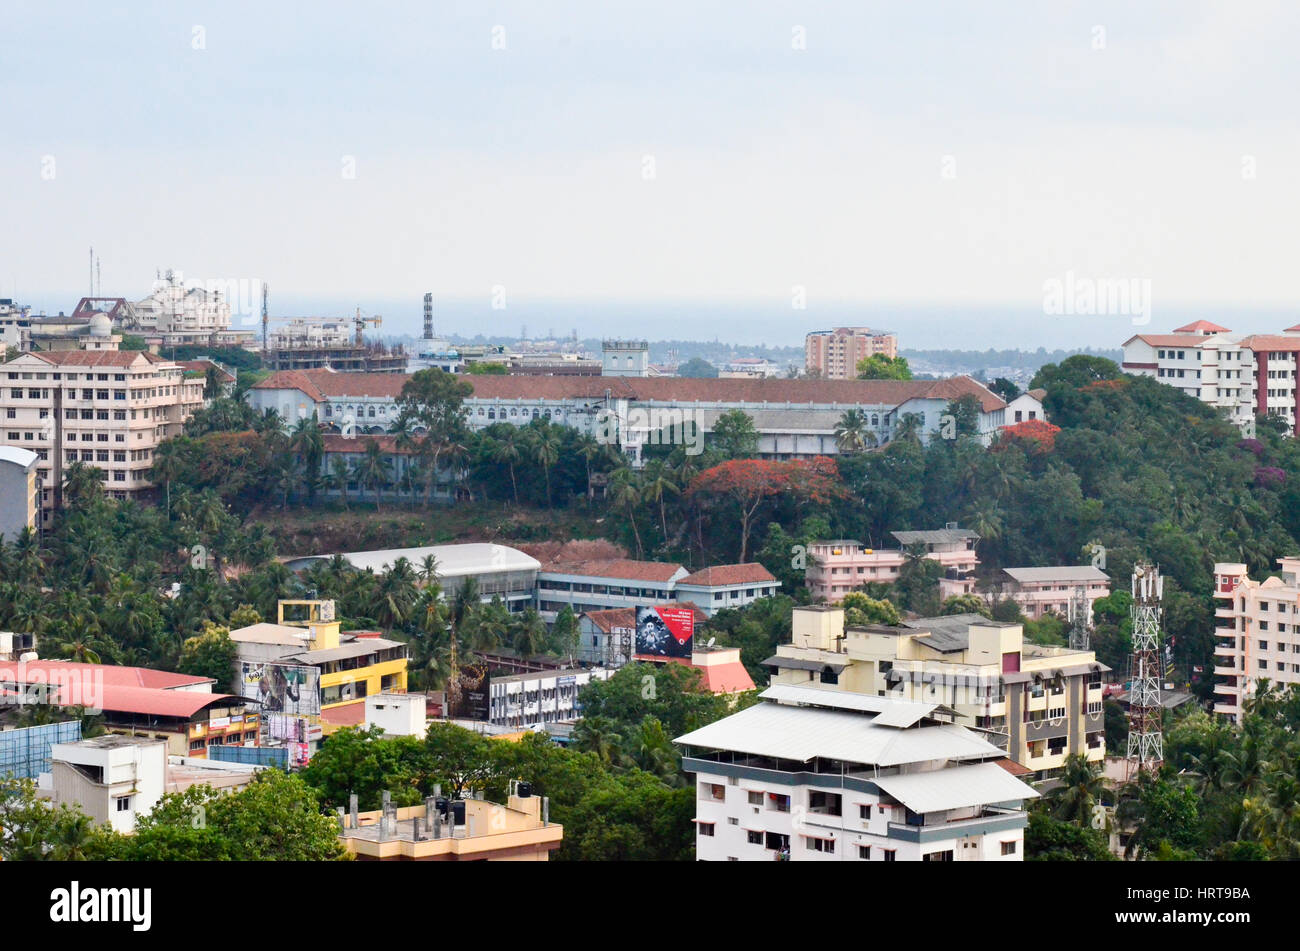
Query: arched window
[(875, 419), (492, 413)]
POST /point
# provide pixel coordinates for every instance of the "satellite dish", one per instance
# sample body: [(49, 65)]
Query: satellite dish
[(711, 642)]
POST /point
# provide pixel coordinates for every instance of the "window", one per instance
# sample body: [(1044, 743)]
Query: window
[(706, 828), (755, 798), (820, 845), (122, 803), (888, 855), (945, 856), (1008, 848), (753, 837), (864, 852)]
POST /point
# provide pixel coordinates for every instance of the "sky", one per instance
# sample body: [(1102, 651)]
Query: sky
[(747, 170)]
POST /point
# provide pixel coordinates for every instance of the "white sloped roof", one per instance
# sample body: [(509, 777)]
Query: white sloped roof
[(1061, 573), (18, 456), (981, 784), (799, 733), (890, 711)]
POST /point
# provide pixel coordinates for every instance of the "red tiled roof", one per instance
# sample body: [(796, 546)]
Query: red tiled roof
[(1014, 768), (1169, 340), (345, 444), (326, 383), (1266, 342), (748, 573), (626, 617), (97, 358), (1291, 330), (1202, 326), (110, 675), (617, 568), (201, 366)]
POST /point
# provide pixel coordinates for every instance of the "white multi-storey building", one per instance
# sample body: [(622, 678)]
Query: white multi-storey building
[(1244, 375), (821, 775), (795, 419), (106, 408), (1258, 632)]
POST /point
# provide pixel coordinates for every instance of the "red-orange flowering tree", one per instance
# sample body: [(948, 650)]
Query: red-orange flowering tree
[(748, 483)]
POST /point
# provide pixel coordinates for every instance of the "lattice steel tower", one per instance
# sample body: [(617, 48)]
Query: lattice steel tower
[(1146, 746), (1080, 622)]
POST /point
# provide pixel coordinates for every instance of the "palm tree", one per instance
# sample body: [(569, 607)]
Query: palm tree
[(853, 433), (625, 491), (1082, 787), (528, 633), (339, 477), (504, 448), (544, 446), (659, 484), (306, 441), (598, 735), (168, 464), (909, 426), (372, 469)]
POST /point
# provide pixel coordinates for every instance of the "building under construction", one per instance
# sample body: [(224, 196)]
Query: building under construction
[(306, 343)]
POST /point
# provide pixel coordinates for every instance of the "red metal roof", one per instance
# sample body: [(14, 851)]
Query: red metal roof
[(717, 678), (149, 701), (111, 675), (348, 714)]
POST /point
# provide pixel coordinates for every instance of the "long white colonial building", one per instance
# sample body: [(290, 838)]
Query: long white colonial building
[(821, 775), (795, 419), (1245, 375)]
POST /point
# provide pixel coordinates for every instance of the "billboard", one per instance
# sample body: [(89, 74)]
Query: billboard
[(665, 632), (281, 688)]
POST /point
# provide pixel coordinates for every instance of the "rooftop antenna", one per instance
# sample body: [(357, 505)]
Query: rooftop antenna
[(265, 319), (99, 284), (92, 270), (1146, 747)]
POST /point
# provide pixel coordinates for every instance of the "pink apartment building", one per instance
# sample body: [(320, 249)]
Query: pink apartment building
[(1258, 632), (837, 567), (834, 354), (1040, 591)]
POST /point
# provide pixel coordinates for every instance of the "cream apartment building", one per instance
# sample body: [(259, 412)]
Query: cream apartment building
[(1258, 632), (1038, 704), (836, 568), (106, 408), (835, 354)]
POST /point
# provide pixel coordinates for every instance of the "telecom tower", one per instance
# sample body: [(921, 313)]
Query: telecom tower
[(1080, 628), (1145, 741), (428, 316)]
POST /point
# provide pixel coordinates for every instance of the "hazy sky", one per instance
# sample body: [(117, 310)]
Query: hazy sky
[(912, 154)]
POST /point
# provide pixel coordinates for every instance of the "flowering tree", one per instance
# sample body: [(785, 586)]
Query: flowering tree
[(1036, 435), (748, 483)]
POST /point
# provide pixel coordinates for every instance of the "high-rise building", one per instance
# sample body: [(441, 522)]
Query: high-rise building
[(1258, 632), (834, 354), (106, 408)]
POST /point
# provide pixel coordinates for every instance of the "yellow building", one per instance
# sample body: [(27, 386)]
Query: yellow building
[(486, 831), (1040, 704), (353, 665)]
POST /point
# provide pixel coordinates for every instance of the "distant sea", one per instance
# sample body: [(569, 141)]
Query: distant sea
[(946, 327), (1015, 326)]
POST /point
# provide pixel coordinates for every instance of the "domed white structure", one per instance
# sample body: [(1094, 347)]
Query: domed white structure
[(101, 326)]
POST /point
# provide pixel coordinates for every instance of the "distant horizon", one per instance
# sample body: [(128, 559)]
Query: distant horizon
[(741, 321)]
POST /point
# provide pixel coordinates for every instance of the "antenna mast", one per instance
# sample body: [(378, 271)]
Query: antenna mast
[(1080, 628), (428, 316), (1145, 740), (265, 321)]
